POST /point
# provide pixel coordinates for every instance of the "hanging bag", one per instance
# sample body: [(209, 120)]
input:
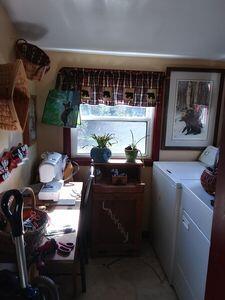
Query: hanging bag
[(36, 61), (62, 108), (14, 96)]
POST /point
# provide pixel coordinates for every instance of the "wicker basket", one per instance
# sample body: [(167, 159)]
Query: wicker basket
[(36, 61), (14, 96), (32, 238), (208, 181)]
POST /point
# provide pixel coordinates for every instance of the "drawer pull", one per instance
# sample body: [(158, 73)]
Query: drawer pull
[(185, 222)]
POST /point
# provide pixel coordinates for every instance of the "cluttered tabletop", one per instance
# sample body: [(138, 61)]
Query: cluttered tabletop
[(61, 226)]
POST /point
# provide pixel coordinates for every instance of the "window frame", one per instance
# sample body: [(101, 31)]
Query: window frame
[(85, 161), (148, 131)]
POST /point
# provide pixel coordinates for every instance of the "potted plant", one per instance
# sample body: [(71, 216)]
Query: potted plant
[(131, 151), (101, 153)]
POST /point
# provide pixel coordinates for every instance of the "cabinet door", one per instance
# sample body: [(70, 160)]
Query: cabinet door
[(191, 260), (116, 223), (116, 218)]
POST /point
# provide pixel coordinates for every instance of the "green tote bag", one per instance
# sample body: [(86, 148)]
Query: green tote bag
[(62, 108)]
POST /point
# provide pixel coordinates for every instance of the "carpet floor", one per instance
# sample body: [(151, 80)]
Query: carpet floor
[(122, 278)]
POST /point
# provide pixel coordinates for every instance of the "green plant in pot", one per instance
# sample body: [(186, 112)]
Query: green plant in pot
[(131, 151), (101, 153)]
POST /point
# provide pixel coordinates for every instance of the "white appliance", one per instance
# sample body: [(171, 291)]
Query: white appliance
[(193, 241), (51, 174), (166, 182)]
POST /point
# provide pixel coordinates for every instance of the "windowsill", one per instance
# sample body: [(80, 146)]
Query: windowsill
[(86, 161)]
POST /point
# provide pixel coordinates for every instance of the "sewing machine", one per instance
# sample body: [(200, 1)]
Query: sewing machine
[(51, 174)]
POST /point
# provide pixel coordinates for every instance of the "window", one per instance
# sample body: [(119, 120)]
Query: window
[(118, 120)]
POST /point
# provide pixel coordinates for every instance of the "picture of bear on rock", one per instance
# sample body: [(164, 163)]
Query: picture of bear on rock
[(192, 108), (192, 119)]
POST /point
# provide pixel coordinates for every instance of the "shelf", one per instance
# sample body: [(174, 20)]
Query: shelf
[(103, 171), (111, 189), (113, 162)]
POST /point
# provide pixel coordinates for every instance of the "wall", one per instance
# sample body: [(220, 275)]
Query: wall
[(50, 137), (22, 175)]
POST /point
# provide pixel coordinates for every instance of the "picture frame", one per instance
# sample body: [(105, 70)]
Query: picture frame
[(192, 104), (30, 131)]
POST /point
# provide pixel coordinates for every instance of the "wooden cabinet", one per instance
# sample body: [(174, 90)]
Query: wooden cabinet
[(117, 210)]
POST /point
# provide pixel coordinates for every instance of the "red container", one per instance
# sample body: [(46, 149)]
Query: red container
[(208, 181)]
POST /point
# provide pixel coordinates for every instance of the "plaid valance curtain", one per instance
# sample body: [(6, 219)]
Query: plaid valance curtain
[(113, 87)]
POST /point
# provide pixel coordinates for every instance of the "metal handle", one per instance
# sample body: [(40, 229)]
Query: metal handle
[(13, 215), (185, 222), (12, 207)]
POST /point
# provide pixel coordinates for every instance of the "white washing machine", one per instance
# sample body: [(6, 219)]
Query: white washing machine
[(166, 196)]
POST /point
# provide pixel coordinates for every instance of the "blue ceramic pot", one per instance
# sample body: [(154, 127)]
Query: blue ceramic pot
[(100, 155)]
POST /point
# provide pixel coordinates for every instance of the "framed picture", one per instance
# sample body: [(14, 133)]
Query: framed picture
[(191, 111), (30, 131)]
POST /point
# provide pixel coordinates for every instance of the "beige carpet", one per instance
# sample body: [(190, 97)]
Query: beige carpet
[(127, 278)]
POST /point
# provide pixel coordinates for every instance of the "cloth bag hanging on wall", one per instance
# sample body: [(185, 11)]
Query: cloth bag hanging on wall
[(14, 96), (62, 108)]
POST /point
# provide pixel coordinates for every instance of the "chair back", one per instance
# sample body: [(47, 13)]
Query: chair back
[(86, 192)]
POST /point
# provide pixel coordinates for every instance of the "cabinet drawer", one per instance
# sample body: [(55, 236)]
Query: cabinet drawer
[(200, 213), (112, 189), (191, 259)]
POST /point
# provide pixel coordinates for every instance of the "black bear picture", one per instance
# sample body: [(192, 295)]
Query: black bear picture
[(192, 119), (106, 94), (129, 95), (62, 108), (151, 96), (191, 107), (85, 94), (65, 114)]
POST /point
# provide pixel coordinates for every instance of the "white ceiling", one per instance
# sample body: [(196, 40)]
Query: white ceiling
[(176, 28)]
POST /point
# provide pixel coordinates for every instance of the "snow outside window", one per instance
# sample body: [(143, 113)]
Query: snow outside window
[(117, 120)]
